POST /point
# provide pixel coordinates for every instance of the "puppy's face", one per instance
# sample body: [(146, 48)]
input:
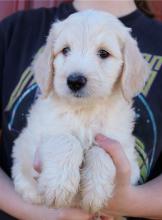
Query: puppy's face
[(85, 55), (87, 59)]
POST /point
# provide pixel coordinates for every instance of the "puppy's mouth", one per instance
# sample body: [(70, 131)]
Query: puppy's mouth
[(78, 94)]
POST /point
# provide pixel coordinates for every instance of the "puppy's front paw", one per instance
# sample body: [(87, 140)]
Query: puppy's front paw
[(58, 183), (60, 189), (95, 198), (96, 180)]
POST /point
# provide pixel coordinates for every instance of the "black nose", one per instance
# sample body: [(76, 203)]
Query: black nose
[(76, 81)]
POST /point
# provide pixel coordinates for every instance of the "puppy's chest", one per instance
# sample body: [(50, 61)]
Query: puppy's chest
[(86, 127), (111, 122), (81, 125)]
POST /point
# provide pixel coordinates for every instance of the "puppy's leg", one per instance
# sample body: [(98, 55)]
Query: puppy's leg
[(97, 179), (25, 184), (61, 157), (22, 169)]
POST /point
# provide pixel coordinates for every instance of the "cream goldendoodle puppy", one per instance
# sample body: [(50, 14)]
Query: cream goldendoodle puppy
[(88, 73)]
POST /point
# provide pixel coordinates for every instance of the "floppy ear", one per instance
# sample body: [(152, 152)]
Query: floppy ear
[(135, 70), (43, 66)]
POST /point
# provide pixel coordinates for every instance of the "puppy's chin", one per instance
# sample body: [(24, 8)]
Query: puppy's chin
[(80, 101), (78, 98), (83, 98)]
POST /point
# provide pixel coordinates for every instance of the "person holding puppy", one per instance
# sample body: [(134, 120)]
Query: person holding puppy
[(18, 37)]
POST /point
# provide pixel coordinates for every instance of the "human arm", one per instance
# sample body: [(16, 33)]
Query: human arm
[(134, 201)]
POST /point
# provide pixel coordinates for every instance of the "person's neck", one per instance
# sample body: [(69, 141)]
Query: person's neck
[(118, 8)]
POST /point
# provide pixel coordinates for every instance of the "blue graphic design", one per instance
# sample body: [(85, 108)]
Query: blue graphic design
[(154, 128), (19, 102)]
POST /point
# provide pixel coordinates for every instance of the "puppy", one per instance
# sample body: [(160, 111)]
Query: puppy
[(88, 73)]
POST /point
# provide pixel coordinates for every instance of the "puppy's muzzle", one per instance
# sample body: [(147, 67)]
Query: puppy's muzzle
[(76, 82)]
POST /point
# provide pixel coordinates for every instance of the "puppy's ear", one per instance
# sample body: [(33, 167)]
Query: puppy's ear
[(43, 66), (135, 70)]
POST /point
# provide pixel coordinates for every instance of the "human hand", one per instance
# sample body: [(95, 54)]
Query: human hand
[(121, 202)]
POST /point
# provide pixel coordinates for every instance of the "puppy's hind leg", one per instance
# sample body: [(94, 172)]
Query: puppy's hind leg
[(59, 181), (25, 184), (97, 179), (22, 169)]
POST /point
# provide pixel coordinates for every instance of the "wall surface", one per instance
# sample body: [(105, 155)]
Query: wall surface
[(8, 7)]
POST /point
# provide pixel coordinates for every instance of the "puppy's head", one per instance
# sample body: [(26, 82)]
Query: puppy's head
[(86, 55)]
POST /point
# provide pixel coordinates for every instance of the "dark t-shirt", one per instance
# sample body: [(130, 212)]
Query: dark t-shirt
[(21, 37)]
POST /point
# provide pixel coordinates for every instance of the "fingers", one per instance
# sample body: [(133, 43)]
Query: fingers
[(37, 161), (114, 149), (73, 214)]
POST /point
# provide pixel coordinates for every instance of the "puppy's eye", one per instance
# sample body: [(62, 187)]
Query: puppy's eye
[(103, 54), (65, 51)]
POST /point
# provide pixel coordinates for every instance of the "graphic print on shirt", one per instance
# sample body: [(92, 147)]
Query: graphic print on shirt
[(26, 92), (145, 118)]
